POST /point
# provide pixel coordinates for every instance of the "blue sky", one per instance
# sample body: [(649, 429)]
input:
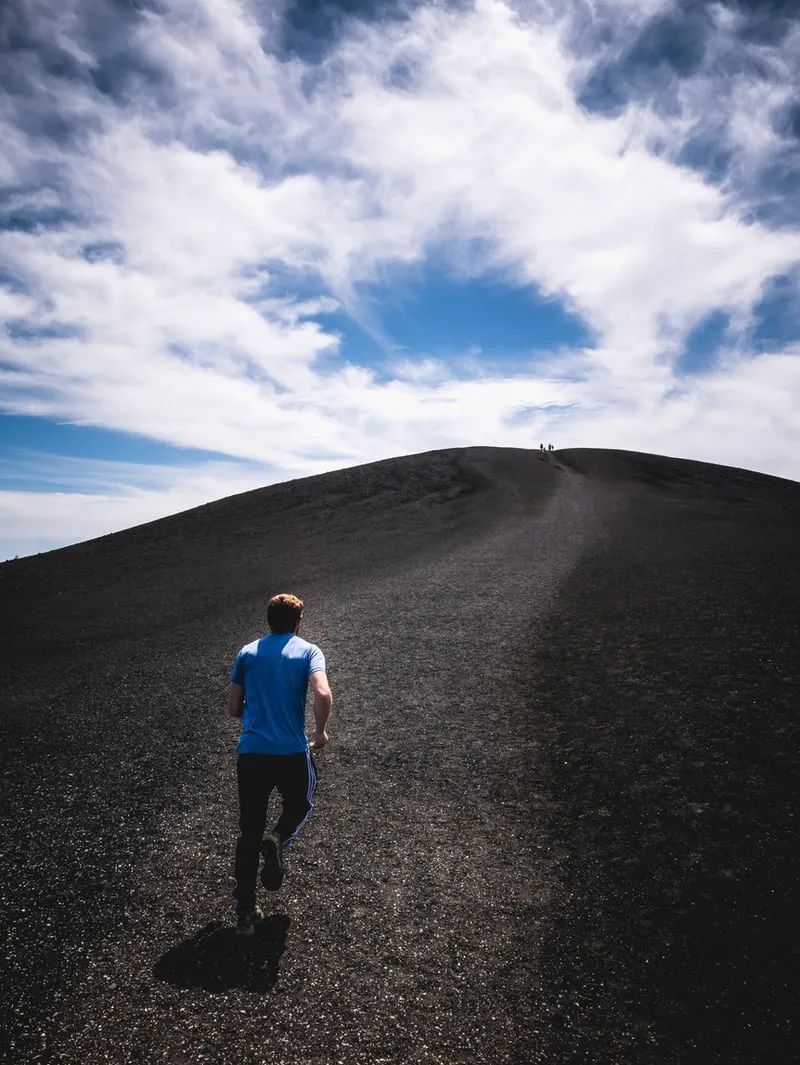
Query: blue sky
[(243, 243)]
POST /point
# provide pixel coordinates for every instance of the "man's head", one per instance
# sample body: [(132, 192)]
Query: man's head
[(284, 612)]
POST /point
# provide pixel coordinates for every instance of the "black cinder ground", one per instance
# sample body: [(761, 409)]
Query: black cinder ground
[(556, 822)]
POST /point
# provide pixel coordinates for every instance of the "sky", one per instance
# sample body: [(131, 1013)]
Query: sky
[(244, 241)]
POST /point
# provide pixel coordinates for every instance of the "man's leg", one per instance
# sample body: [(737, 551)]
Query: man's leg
[(297, 782), (255, 779)]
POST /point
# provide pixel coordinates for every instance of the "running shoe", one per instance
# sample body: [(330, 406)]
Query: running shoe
[(272, 870), (246, 922)]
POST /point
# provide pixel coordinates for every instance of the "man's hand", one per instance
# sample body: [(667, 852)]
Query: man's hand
[(236, 700), (323, 700), (318, 740)]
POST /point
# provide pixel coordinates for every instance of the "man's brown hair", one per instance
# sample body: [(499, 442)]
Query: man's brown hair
[(283, 612)]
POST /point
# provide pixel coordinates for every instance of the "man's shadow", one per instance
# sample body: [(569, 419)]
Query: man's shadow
[(217, 959)]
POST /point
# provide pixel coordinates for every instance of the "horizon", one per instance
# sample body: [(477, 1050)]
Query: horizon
[(242, 247), (400, 458)]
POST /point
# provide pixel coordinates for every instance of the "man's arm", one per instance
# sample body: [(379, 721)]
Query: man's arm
[(236, 700), (323, 701)]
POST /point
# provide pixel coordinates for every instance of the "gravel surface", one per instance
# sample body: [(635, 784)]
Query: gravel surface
[(555, 823)]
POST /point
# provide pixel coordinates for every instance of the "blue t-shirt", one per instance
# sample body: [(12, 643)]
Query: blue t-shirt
[(274, 673)]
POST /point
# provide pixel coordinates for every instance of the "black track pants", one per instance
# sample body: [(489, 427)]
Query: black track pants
[(295, 777)]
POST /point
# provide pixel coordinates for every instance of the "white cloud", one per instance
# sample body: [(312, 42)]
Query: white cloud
[(746, 416), (240, 174), (425, 370), (490, 143), (14, 305), (727, 113)]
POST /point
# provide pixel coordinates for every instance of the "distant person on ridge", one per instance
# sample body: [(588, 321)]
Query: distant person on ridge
[(269, 683)]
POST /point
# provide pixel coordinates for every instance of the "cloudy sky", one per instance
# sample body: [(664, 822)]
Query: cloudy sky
[(243, 241)]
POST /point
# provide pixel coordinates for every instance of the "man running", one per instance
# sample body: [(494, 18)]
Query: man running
[(268, 692)]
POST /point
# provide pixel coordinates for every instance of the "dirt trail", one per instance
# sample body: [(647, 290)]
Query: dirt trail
[(445, 838)]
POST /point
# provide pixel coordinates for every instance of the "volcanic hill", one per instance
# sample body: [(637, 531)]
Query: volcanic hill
[(557, 819)]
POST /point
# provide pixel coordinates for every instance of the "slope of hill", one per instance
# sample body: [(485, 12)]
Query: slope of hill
[(557, 818)]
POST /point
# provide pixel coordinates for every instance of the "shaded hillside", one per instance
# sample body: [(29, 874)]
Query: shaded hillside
[(168, 572), (555, 823)]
